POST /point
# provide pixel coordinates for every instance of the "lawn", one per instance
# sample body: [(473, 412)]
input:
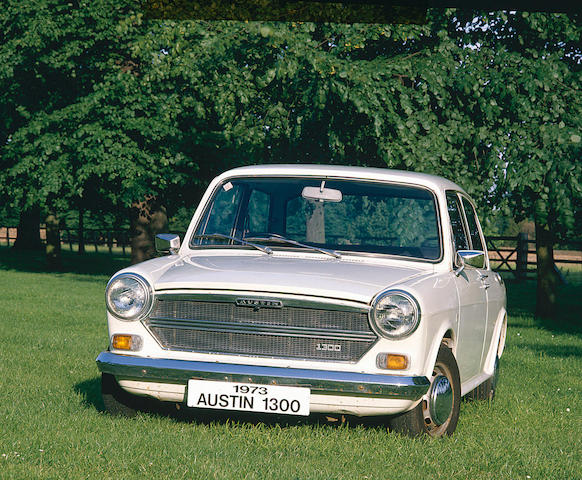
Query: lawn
[(52, 424)]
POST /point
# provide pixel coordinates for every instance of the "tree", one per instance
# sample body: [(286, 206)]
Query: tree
[(53, 54), (163, 106), (535, 61)]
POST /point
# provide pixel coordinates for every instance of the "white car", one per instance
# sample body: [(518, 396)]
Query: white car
[(313, 288)]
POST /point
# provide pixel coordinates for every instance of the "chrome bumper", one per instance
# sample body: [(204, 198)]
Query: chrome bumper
[(321, 382)]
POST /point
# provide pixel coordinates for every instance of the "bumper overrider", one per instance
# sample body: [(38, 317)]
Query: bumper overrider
[(321, 382)]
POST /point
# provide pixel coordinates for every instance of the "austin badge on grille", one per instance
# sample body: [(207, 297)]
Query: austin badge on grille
[(257, 303)]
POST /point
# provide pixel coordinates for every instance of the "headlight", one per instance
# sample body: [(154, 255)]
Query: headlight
[(395, 314), (128, 296)]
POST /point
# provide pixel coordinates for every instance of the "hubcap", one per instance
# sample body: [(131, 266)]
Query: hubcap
[(441, 400)]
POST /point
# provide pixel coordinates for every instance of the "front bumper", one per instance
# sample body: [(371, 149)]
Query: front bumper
[(321, 382)]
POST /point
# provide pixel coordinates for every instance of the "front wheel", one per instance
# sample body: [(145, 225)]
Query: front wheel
[(437, 413)]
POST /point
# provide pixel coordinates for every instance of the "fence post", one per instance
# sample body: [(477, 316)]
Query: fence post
[(522, 252)]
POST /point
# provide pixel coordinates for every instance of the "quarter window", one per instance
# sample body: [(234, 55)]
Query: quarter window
[(473, 225), (456, 217)]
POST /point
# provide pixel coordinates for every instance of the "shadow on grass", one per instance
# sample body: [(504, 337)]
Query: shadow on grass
[(521, 303), (554, 351), (90, 391), (89, 263)]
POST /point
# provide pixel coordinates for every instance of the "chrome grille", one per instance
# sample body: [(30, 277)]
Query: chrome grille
[(316, 331)]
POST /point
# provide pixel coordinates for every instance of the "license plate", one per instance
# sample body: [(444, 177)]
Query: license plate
[(248, 397)]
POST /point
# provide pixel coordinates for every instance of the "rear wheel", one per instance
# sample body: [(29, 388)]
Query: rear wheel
[(437, 413)]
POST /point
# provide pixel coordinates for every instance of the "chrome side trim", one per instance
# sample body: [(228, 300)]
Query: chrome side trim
[(321, 382)]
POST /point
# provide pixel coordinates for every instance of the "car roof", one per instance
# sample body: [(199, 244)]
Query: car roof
[(433, 182)]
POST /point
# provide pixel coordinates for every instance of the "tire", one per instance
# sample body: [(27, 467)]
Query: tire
[(437, 413), (486, 391), (117, 401)]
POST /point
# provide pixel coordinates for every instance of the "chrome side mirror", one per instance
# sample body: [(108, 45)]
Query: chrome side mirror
[(471, 258), (167, 243)]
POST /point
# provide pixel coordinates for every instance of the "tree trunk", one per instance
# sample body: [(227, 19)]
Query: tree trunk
[(53, 243), (315, 225), (28, 235), (148, 218), (81, 232), (547, 278)]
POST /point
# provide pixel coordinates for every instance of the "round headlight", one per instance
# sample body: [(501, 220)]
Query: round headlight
[(128, 296), (395, 314)]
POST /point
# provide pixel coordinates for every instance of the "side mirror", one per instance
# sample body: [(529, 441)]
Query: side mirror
[(471, 258), (167, 243)]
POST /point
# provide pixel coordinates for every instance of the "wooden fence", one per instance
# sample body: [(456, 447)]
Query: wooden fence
[(111, 241), (517, 255), (513, 254)]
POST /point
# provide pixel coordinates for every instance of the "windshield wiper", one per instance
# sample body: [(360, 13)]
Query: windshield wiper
[(266, 250), (274, 237)]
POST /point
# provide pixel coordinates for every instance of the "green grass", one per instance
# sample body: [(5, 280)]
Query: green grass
[(52, 424)]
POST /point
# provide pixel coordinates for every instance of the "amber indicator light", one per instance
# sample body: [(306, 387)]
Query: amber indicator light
[(392, 361), (121, 342)]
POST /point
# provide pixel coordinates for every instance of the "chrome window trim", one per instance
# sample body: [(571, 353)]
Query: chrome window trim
[(481, 234), (457, 194)]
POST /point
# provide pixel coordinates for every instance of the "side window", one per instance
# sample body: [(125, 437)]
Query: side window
[(455, 214), (257, 219), (473, 225)]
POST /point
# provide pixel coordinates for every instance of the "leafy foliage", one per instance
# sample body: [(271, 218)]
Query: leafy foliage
[(101, 107)]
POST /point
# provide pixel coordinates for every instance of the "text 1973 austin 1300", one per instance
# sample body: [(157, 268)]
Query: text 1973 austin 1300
[(308, 288)]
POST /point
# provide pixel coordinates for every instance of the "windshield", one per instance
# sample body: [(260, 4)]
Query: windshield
[(363, 217)]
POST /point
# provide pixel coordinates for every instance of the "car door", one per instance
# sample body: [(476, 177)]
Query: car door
[(486, 275), (472, 298)]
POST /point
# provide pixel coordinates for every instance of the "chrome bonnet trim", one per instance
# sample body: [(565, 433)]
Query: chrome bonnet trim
[(287, 300), (321, 382)]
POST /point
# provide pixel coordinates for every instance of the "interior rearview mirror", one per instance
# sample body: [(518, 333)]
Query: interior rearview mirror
[(322, 194)]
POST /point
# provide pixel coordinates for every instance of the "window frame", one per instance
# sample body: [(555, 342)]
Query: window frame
[(457, 194), (478, 222), (197, 246), (460, 197)]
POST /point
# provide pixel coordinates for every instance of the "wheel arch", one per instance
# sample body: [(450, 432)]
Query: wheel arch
[(446, 336), (497, 345)]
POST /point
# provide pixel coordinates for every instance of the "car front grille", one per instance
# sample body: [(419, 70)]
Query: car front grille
[(291, 329)]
